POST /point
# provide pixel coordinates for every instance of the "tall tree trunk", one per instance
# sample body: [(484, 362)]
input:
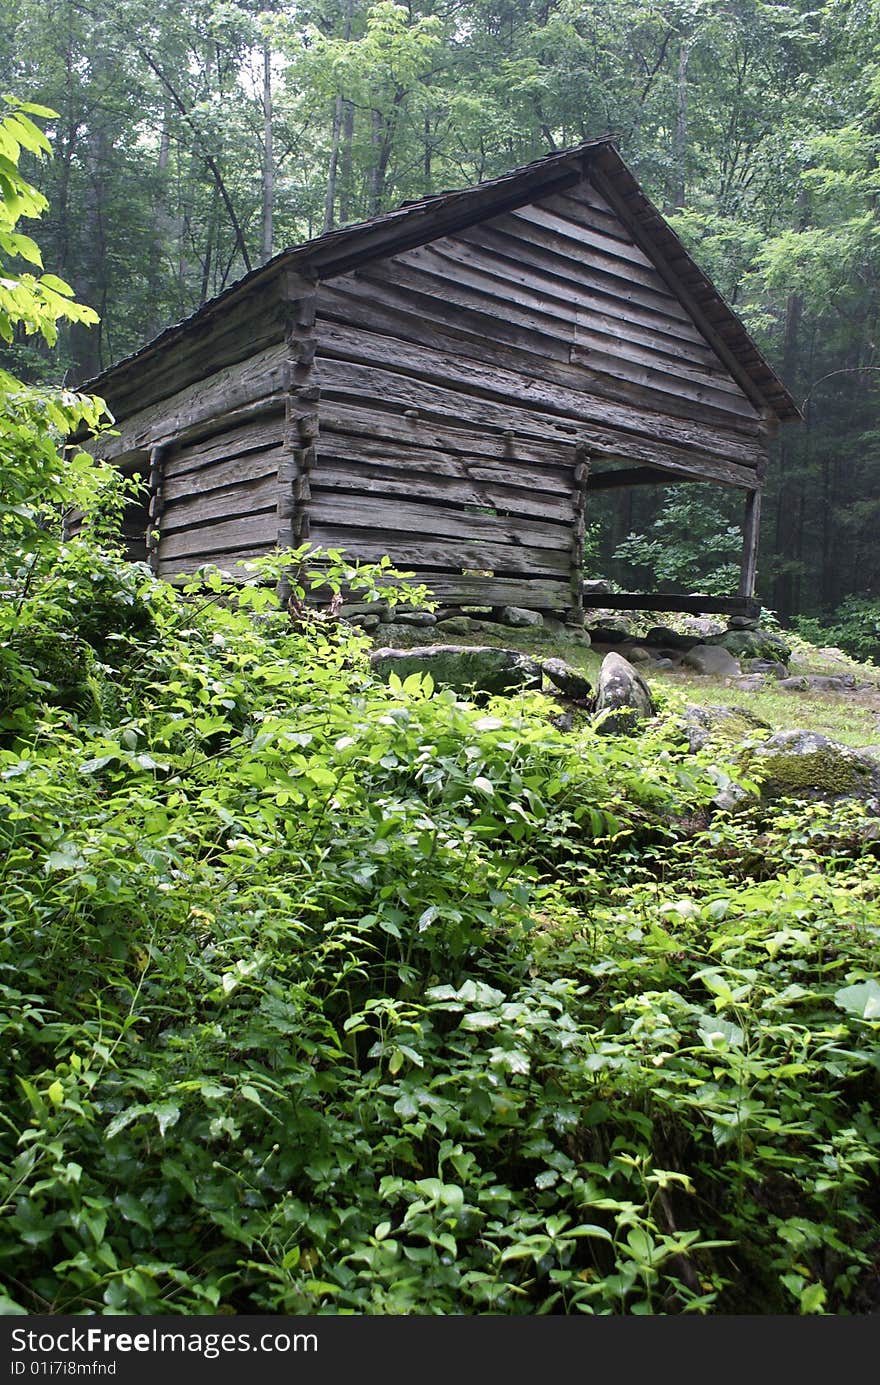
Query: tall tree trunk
[(87, 343), (268, 157), (333, 171), (680, 143), (785, 536), (384, 128), (379, 141), (345, 162), (163, 231), (338, 112)]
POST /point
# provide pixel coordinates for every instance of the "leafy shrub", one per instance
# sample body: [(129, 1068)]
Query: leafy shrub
[(326, 996), (691, 544), (853, 627)]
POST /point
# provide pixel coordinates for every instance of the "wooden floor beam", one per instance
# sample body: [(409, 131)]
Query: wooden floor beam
[(694, 604)]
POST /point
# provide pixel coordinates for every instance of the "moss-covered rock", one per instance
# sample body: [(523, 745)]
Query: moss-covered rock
[(464, 668), (753, 644), (807, 765), (724, 726)]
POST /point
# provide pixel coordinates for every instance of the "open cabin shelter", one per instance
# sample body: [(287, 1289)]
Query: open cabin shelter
[(449, 383)]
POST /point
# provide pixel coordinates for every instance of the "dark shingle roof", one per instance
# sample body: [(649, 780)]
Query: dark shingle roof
[(418, 222)]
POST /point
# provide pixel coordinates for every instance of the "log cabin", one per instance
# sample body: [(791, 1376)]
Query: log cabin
[(449, 383)]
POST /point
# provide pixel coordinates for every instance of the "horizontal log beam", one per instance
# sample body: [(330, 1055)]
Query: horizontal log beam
[(673, 601)]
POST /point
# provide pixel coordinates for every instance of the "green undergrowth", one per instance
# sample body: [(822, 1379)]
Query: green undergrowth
[(324, 996)]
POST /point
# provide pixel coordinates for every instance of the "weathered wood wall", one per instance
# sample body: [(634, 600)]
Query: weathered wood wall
[(457, 380), (441, 404), (218, 450)]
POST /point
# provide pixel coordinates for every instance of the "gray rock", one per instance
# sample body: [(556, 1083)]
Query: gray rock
[(564, 722), (366, 622), (768, 666), (743, 623), (567, 679), (702, 626), (623, 698), (820, 682), (608, 634), (464, 668), (830, 654), (670, 639), (712, 659), (415, 618), (808, 766), (753, 644), (454, 625), (637, 654), (596, 586), (387, 632), (664, 662), (477, 610), (576, 634), (520, 616), (751, 683), (722, 725)]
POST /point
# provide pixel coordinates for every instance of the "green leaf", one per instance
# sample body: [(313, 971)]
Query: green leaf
[(122, 1119), (718, 1033), (167, 1113), (862, 1000)]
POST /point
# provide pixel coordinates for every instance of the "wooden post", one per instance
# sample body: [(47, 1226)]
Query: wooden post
[(751, 531), (156, 503), (301, 412), (579, 506)]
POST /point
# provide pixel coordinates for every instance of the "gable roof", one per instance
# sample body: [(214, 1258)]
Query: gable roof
[(420, 221)]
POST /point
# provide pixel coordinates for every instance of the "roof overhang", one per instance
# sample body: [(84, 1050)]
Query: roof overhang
[(418, 222)]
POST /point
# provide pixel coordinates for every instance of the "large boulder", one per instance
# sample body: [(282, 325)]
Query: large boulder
[(396, 633), (721, 726), (667, 638), (701, 626), (766, 666), (466, 669), (608, 634), (623, 698), (753, 644), (414, 618), (712, 659), (520, 617), (454, 625), (818, 682), (807, 765), (568, 680)]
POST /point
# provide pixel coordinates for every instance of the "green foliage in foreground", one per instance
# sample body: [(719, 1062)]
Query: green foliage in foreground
[(319, 996)]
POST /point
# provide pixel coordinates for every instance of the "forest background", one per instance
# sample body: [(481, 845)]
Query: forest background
[(193, 140)]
